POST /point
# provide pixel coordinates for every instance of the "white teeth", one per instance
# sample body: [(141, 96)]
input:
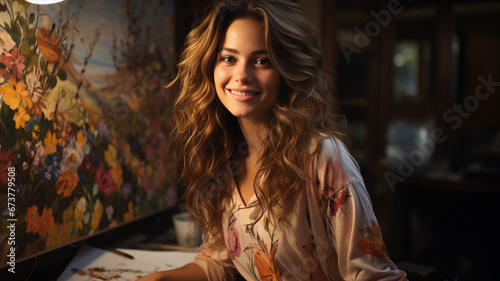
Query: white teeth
[(244, 93)]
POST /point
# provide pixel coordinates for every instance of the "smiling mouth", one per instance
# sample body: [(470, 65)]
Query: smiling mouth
[(244, 94)]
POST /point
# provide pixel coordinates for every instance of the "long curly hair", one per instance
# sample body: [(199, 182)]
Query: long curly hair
[(207, 136)]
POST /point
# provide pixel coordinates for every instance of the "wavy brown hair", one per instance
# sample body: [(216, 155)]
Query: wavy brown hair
[(207, 136)]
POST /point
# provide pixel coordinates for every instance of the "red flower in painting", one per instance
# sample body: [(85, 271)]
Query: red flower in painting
[(5, 163), (104, 180), (15, 62)]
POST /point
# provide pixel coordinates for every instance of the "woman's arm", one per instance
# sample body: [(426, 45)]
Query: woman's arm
[(189, 272)]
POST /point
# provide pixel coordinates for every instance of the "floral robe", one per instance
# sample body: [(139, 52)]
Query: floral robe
[(332, 233)]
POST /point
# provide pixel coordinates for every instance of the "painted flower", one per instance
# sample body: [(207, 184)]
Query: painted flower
[(80, 209), (48, 44), (67, 182), (109, 212), (32, 219), (146, 184), (16, 94), (21, 117), (88, 165), (81, 139), (64, 132), (104, 180), (72, 156), (14, 61), (103, 130), (129, 215), (233, 241), (110, 155), (37, 153), (96, 215), (46, 221), (53, 169), (51, 141), (6, 157), (33, 84), (4, 76), (127, 188)]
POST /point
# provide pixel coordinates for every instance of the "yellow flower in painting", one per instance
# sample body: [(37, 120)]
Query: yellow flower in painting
[(81, 139), (53, 236), (68, 221), (80, 209), (16, 94), (66, 182), (96, 215), (110, 156), (51, 141), (129, 215), (21, 117), (117, 175)]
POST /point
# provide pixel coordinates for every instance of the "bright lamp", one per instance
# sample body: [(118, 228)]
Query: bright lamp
[(44, 2)]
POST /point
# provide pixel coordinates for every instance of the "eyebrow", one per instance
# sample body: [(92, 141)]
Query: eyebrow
[(231, 50)]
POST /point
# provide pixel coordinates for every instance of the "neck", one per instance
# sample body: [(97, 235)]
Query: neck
[(253, 132)]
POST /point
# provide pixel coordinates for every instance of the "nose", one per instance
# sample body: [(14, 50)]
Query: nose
[(243, 74)]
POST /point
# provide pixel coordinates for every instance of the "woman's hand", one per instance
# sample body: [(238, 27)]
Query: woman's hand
[(189, 272)]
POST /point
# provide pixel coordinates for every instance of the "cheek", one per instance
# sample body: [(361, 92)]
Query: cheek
[(221, 76)]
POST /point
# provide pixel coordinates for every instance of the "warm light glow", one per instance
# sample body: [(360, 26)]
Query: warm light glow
[(44, 2)]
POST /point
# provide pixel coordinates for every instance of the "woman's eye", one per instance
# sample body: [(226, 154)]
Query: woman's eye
[(228, 59), (263, 62)]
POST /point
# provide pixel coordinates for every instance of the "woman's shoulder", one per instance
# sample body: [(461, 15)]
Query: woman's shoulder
[(333, 152)]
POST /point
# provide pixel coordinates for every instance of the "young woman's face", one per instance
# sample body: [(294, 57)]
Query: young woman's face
[(246, 82)]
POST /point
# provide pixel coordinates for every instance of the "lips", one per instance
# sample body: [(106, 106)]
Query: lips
[(244, 93)]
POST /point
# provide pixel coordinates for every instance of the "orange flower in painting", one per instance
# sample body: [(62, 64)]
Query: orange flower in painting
[(373, 244), (96, 215), (110, 156), (117, 175), (51, 141), (265, 263), (46, 221), (129, 215), (16, 95), (66, 182), (81, 139), (32, 219), (48, 44)]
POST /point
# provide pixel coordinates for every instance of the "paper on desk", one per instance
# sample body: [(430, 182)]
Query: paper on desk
[(94, 264)]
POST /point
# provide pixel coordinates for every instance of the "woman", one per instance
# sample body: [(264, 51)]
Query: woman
[(263, 157)]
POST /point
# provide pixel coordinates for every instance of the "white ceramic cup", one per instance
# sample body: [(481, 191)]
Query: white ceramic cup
[(188, 233)]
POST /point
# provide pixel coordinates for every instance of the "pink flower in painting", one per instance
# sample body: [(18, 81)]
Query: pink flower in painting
[(104, 181), (146, 185), (233, 241), (14, 61)]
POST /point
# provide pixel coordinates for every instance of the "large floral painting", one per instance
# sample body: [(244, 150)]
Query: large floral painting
[(84, 122)]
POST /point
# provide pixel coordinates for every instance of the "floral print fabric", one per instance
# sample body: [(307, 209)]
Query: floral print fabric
[(332, 233)]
